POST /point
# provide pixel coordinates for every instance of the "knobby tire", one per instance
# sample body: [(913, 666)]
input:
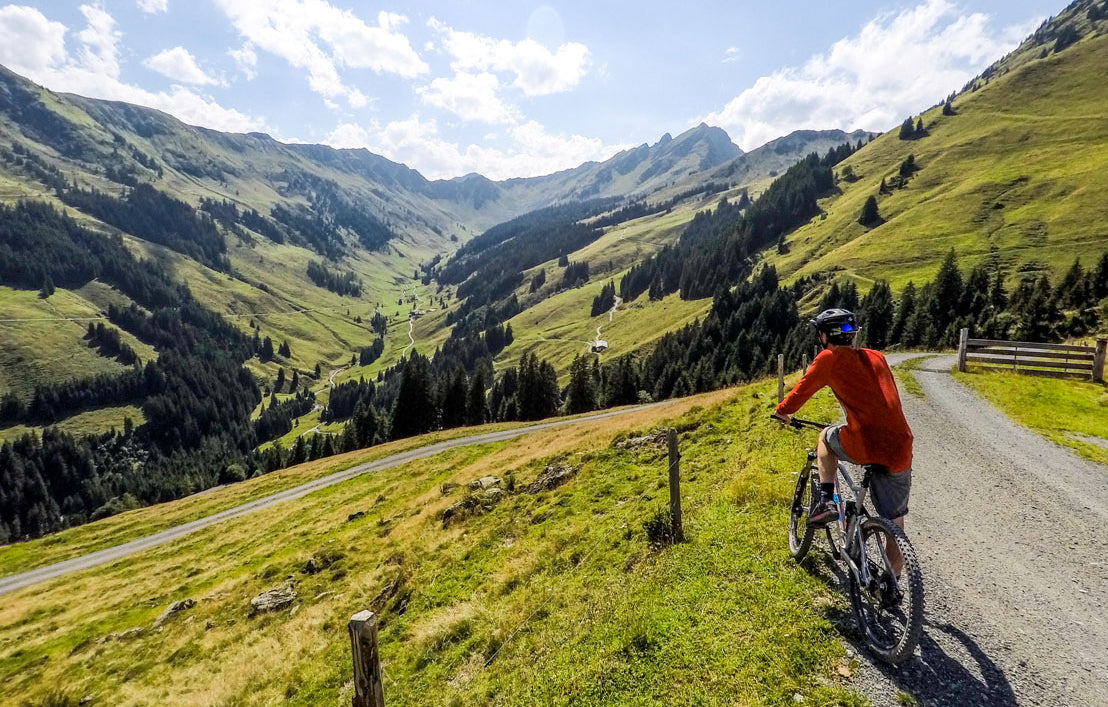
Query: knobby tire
[(908, 613), (800, 533)]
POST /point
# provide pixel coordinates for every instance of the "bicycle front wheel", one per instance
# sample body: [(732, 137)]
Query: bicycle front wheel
[(800, 533), (889, 611)]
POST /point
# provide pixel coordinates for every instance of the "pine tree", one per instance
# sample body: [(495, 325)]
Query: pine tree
[(907, 129), (476, 406), (581, 393), (944, 306), (415, 411), (454, 400), (1074, 290), (948, 107), (905, 308), (279, 386), (920, 132), (870, 216), (284, 349), (267, 350), (876, 316), (1100, 278)]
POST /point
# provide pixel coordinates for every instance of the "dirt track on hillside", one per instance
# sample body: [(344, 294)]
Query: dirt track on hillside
[(1009, 530)]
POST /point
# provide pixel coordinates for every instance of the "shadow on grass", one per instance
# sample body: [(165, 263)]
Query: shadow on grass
[(948, 669)]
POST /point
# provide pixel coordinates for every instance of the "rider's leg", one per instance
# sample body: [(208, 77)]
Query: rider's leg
[(826, 459)]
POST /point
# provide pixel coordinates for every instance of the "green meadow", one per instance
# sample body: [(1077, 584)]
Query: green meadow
[(550, 595)]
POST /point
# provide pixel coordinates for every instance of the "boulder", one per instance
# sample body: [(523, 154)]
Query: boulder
[(448, 488), (355, 516), (655, 438), (174, 609), (553, 476), (485, 482), (274, 599)]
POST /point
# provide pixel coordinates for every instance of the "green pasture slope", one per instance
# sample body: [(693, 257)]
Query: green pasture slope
[(545, 597), (1019, 168)]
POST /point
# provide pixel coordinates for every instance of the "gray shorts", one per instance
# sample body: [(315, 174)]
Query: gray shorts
[(889, 491)]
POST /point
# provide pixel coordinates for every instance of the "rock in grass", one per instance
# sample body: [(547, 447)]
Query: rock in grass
[(174, 609), (274, 599), (553, 476), (485, 482)]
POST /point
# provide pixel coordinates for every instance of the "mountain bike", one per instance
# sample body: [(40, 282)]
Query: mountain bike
[(888, 609)]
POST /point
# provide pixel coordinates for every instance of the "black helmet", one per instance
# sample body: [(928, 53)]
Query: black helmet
[(838, 324)]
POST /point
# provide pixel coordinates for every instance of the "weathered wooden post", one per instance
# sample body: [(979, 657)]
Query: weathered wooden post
[(675, 487), (963, 337), (804, 363), (780, 377), (368, 690), (1099, 354)]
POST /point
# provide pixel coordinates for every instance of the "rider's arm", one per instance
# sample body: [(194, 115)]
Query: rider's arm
[(818, 375)]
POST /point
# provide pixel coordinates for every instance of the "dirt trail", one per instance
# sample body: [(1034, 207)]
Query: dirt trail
[(1008, 527)]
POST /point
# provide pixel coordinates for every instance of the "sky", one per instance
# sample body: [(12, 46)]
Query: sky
[(514, 88)]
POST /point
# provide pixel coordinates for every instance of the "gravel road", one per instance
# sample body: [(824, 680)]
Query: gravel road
[(1009, 529)]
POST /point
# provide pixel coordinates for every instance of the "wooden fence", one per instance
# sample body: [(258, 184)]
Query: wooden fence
[(1035, 359)]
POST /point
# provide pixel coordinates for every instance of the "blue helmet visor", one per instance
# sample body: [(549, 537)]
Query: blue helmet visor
[(848, 327)]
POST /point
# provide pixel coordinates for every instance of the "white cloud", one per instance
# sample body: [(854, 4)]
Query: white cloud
[(151, 7), (100, 40), (418, 143), (896, 66), (178, 64), (537, 70), (470, 97), (731, 55), (28, 41), (33, 46), (319, 38), (246, 59)]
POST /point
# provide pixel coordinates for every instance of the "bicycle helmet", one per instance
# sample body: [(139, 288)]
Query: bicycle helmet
[(839, 325)]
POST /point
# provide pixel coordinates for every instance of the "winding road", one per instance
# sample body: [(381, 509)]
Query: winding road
[(13, 582), (1009, 530)]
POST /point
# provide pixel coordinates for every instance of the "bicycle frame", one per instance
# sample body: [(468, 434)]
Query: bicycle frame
[(849, 525)]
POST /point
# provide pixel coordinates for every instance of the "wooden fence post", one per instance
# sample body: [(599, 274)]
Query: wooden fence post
[(780, 377), (963, 337), (675, 487), (368, 690), (804, 363), (1098, 359)]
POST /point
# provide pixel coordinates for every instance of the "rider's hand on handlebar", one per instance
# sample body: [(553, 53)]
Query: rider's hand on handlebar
[(783, 418)]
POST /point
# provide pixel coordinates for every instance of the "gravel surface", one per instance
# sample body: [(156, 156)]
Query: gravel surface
[(1008, 528)]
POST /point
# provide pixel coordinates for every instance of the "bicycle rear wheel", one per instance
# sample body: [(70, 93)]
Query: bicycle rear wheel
[(800, 533), (889, 611)]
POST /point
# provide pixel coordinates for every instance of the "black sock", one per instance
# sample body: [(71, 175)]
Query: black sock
[(827, 490)]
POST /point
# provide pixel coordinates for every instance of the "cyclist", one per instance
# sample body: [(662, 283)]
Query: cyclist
[(875, 431)]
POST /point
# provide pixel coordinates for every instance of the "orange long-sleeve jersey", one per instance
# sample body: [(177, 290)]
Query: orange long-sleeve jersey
[(876, 431)]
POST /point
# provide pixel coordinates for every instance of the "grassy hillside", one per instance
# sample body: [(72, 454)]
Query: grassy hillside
[(725, 618), (1019, 168)]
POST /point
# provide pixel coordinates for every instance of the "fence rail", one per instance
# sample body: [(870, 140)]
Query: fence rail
[(1035, 358)]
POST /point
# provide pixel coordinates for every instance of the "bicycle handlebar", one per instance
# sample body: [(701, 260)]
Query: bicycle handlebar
[(797, 423)]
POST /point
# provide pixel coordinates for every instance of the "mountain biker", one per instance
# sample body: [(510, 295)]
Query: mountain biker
[(875, 431)]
